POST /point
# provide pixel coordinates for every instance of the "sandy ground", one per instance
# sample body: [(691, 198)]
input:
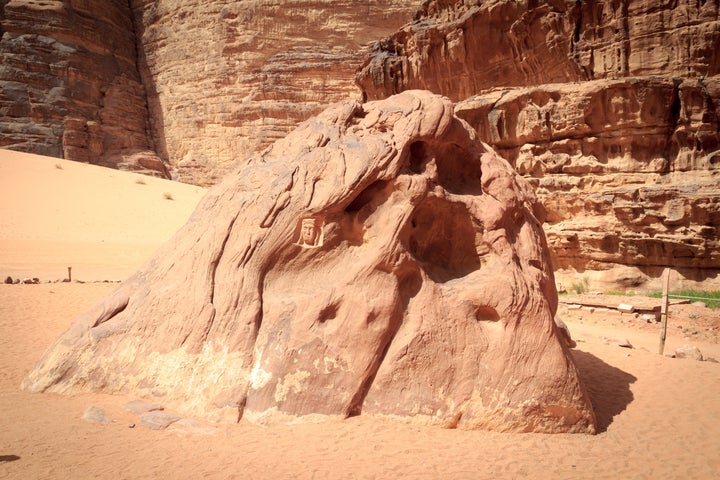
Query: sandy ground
[(659, 417)]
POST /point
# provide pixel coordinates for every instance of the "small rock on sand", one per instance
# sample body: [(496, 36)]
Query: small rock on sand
[(689, 351), (95, 415), (158, 420)]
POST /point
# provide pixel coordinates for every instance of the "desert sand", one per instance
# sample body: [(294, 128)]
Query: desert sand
[(658, 417)]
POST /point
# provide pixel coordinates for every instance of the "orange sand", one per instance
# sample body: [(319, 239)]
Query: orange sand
[(102, 222), (659, 417)]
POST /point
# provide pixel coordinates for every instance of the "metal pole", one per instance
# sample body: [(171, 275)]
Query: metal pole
[(664, 310)]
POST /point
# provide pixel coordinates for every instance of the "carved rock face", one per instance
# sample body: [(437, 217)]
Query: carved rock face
[(379, 260)]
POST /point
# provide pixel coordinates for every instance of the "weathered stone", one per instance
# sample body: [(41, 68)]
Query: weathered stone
[(269, 65), (689, 351), (530, 43), (95, 415), (650, 199), (380, 260), (649, 318), (158, 420)]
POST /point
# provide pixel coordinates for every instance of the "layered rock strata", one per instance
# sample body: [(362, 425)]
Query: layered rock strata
[(69, 85), (624, 152), (627, 170), (461, 48), (379, 260), (225, 79)]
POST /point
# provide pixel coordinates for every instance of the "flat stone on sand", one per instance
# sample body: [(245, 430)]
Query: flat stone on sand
[(95, 415), (157, 420)]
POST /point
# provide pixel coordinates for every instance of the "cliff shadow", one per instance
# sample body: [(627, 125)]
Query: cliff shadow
[(607, 386), (155, 117)]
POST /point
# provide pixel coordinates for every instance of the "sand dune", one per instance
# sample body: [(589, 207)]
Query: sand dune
[(102, 222), (659, 417)]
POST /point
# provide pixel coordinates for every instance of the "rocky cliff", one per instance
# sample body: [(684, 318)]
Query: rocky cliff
[(609, 107), (225, 79), (69, 84), (220, 79), (462, 47)]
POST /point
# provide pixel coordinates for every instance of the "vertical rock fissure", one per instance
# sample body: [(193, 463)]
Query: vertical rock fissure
[(154, 131), (356, 404), (575, 44), (2, 15), (625, 43), (216, 260), (672, 147)]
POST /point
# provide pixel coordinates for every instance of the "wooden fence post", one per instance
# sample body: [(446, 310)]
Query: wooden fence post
[(664, 309)]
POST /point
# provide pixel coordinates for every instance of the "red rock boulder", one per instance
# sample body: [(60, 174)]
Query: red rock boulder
[(380, 260)]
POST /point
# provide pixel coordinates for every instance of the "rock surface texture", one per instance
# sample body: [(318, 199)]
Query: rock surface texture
[(379, 260), (219, 79), (464, 47), (225, 79), (69, 84), (610, 109), (627, 170)]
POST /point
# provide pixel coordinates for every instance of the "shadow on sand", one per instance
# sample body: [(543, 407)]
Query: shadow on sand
[(608, 387), (9, 458)]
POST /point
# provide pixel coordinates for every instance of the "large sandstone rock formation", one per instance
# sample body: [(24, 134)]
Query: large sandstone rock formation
[(69, 84), (380, 260), (225, 79), (624, 151)]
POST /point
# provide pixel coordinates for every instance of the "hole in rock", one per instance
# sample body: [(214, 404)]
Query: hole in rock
[(458, 172), (417, 157), (484, 313), (357, 116), (536, 263), (442, 238), (409, 285), (328, 313), (366, 197)]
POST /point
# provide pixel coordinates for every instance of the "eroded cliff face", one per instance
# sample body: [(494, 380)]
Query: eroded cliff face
[(609, 108), (625, 168), (460, 48), (225, 79), (220, 79), (69, 85)]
